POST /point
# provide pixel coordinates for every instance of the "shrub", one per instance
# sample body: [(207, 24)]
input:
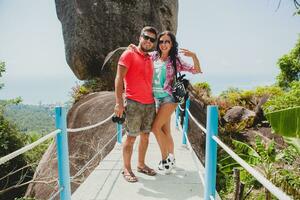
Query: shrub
[(78, 92), (289, 99)]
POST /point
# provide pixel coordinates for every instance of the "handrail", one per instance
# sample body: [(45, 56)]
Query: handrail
[(28, 147), (99, 152), (265, 182), (46, 137), (182, 109), (62, 151), (89, 127), (56, 193), (197, 123)]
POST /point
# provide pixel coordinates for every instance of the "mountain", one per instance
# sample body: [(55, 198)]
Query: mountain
[(32, 118)]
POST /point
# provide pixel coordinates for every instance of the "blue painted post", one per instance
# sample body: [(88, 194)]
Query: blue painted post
[(63, 154), (186, 121), (119, 133), (211, 153), (177, 116)]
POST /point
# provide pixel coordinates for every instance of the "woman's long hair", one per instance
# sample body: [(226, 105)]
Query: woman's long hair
[(174, 49)]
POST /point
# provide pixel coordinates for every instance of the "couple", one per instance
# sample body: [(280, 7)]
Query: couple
[(147, 76)]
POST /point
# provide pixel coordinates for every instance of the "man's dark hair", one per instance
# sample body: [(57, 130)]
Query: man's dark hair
[(149, 29)]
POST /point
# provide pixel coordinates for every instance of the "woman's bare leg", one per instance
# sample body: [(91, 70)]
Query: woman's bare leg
[(163, 115)]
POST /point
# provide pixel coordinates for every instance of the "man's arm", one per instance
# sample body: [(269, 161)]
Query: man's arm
[(119, 85)]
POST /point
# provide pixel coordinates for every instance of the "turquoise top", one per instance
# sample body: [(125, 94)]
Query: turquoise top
[(159, 78)]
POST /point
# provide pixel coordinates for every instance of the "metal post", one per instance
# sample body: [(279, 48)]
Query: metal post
[(177, 116), (211, 153), (186, 121), (63, 154), (119, 133)]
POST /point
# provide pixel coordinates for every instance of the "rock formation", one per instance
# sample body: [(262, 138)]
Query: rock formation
[(92, 29)]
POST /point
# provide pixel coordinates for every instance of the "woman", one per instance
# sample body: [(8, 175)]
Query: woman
[(165, 59)]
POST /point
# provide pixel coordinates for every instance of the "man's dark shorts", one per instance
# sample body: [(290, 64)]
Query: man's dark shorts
[(139, 117)]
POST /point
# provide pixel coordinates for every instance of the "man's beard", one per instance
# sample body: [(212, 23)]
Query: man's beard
[(146, 50)]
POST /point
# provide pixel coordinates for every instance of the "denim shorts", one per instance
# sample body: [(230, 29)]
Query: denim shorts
[(160, 101), (139, 117)]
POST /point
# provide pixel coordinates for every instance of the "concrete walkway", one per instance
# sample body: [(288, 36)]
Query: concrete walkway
[(107, 183)]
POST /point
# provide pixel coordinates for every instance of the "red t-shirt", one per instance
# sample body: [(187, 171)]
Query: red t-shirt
[(138, 79)]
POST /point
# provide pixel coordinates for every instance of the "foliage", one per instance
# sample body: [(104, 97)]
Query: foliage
[(289, 99), (2, 69), (231, 94), (272, 163), (202, 88), (289, 65), (31, 118), (20, 169), (237, 127), (79, 91), (11, 140), (33, 156), (286, 122), (248, 98)]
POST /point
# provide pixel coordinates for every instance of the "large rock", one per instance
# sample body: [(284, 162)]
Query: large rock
[(237, 114), (92, 29), (83, 146)]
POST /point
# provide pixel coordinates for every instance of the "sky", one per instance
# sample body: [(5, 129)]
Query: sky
[(238, 44)]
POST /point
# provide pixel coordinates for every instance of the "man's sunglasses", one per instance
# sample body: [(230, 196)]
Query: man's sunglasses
[(164, 42), (146, 37)]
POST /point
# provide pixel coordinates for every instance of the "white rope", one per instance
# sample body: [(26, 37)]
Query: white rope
[(89, 127), (197, 123), (196, 159), (55, 194), (182, 109), (28, 147), (265, 182), (99, 152)]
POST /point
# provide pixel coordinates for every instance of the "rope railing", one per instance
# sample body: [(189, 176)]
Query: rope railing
[(99, 152), (89, 127), (62, 150), (265, 182), (196, 122), (182, 109), (211, 153), (56, 193), (28, 147)]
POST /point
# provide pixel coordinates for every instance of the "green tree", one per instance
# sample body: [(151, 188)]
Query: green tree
[(2, 69), (202, 89), (11, 140), (16, 171), (289, 65)]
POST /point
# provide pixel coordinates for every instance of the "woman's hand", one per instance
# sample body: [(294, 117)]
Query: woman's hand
[(187, 52)]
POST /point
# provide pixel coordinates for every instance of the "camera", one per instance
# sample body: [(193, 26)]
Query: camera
[(119, 120)]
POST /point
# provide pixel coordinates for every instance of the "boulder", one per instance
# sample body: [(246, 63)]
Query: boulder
[(92, 29), (259, 113), (83, 145), (237, 114)]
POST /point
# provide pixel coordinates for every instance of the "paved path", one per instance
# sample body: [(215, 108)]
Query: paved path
[(107, 183)]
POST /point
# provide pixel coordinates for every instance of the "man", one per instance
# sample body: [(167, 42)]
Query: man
[(136, 69)]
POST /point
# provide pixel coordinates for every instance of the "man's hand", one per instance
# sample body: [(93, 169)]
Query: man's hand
[(119, 109)]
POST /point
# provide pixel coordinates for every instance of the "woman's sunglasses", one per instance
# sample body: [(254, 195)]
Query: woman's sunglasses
[(164, 42), (146, 37)]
